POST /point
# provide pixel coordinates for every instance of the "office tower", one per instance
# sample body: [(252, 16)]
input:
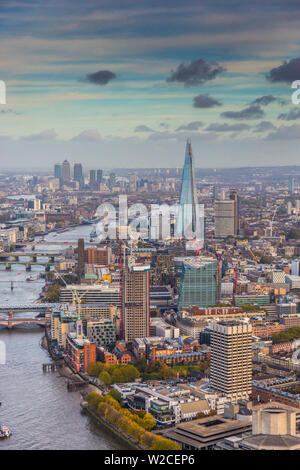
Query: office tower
[(289, 207), (291, 184), (99, 176), (186, 222), (224, 218), (234, 196), (133, 182), (199, 283), (35, 204), (231, 358), (135, 301), (78, 173), (216, 194), (92, 177), (58, 171), (80, 256), (66, 171), (295, 268), (112, 180)]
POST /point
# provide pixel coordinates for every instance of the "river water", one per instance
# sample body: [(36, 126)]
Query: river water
[(36, 406)]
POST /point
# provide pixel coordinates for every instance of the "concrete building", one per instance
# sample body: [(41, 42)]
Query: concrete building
[(225, 223), (231, 358), (101, 332), (135, 301), (97, 293)]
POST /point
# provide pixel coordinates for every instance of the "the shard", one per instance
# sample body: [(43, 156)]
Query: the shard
[(187, 218)]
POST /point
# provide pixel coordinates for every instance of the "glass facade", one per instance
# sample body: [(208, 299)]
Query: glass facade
[(186, 221), (199, 286)]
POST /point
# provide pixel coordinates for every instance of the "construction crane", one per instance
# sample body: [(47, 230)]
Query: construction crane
[(76, 296), (252, 254)]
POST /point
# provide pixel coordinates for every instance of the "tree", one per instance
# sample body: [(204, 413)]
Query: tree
[(116, 395), (105, 378)]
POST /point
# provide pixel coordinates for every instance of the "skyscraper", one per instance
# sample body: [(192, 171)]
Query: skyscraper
[(186, 222), (224, 218), (57, 171), (135, 301), (199, 283), (66, 171), (78, 174), (234, 196), (99, 176), (231, 358)]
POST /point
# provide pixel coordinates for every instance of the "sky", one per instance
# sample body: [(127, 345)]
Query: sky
[(123, 83)]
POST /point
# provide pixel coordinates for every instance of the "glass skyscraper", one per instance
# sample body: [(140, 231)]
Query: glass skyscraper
[(199, 283), (187, 218)]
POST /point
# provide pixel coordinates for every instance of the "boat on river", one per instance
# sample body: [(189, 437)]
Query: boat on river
[(4, 432)]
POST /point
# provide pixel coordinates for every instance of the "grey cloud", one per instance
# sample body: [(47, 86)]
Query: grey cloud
[(196, 72), (48, 134), (192, 126), (286, 72), (292, 115), (252, 112), (264, 100), (143, 128), (102, 77), (264, 126), (205, 101), (89, 135), (285, 133), (215, 127)]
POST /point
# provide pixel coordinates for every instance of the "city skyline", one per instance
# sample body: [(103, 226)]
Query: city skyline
[(106, 83)]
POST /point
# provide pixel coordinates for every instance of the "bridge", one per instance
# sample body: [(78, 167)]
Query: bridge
[(11, 321), (30, 307)]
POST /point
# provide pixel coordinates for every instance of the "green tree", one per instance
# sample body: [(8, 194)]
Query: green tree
[(105, 378)]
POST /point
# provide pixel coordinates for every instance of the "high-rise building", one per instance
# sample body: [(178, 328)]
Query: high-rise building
[(186, 222), (231, 358), (78, 173), (291, 184), (199, 283), (234, 196), (92, 177), (99, 176), (81, 256), (66, 171), (57, 171), (135, 301), (112, 180), (224, 218)]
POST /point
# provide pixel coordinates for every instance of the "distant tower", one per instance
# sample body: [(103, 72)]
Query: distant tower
[(58, 171), (66, 171), (234, 196), (291, 185), (188, 196)]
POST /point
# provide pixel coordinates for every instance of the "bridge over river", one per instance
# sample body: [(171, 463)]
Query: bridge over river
[(11, 322), (33, 307)]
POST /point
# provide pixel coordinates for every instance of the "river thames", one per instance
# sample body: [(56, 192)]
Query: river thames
[(36, 406)]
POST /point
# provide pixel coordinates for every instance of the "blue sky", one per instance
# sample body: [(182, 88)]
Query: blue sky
[(124, 83)]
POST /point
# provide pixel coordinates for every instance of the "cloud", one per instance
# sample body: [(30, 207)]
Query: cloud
[(205, 101), (215, 127), (196, 72), (192, 126), (292, 115), (264, 100), (285, 133), (100, 78), (287, 72), (252, 112), (142, 128), (89, 135), (264, 126), (48, 134)]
